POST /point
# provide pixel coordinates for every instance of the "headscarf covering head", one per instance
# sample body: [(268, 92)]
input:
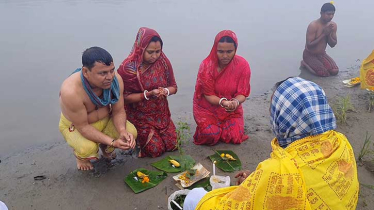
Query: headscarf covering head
[(130, 66), (210, 64), (299, 108), (143, 37), (213, 53)]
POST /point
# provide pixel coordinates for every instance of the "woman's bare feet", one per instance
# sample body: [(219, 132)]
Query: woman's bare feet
[(84, 165)]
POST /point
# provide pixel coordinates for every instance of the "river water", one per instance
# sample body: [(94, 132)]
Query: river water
[(41, 42)]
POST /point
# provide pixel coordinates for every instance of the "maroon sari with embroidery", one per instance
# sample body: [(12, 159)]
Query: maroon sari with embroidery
[(152, 118), (213, 122)]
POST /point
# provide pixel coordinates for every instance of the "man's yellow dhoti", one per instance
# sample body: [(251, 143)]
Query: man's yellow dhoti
[(87, 149)]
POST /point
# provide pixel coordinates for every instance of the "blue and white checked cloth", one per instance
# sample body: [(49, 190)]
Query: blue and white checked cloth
[(299, 108)]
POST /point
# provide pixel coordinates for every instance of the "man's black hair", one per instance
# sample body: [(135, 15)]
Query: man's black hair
[(227, 39), (96, 54), (328, 7)]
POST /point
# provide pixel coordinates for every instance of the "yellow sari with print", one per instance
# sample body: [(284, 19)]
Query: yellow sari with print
[(316, 172)]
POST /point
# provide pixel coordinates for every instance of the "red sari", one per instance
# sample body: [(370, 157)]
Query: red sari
[(213, 122), (152, 118)]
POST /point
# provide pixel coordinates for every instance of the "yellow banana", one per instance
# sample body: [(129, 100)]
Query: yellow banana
[(140, 174), (223, 155), (230, 157), (175, 163)]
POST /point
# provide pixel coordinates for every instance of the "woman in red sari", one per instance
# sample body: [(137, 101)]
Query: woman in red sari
[(222, 85), (149, 79)]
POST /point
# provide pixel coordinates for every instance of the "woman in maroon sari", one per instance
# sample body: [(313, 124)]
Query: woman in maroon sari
[(222, 85), (149, 79)]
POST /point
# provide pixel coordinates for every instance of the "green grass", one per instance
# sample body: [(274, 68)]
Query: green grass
[(365, 150), (183, 135), (341, 108), (367, 186)]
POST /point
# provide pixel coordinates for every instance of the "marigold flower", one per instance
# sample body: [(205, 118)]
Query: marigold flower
[(145, 179)]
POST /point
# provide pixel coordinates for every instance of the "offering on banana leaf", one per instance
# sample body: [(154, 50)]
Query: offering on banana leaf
[(142, 179), (142, 176), (174, 164), (227, 157), (226, 160), (191, 176)]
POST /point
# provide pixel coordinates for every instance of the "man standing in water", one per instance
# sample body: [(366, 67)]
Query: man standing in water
[(320, 33), (92, 110)]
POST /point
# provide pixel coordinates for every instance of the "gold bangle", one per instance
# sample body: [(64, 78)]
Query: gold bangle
[(111, 144)]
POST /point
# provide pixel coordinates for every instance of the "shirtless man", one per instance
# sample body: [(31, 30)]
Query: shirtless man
[(92, 107), (320, 33)]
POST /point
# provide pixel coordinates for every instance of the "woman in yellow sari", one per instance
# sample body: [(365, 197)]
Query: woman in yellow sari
[(312, 166)]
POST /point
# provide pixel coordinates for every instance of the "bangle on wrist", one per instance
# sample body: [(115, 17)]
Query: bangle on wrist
[(220, 101), (145, 95), (110, 148), (237, 101), (167, 91), (111, 144)]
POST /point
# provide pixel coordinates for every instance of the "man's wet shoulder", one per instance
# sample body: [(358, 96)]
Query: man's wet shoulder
[(71, 86)]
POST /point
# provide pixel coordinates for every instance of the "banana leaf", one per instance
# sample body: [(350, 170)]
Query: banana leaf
[(226, 165), (135, 183), (204, 183), (185, 161)]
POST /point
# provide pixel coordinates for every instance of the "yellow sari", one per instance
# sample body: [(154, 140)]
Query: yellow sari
[(316, 172)]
